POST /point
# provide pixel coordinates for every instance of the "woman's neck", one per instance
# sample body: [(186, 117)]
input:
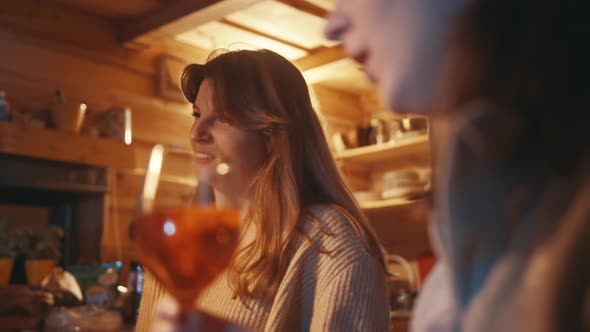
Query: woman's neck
[(248, 230), (224, 201)]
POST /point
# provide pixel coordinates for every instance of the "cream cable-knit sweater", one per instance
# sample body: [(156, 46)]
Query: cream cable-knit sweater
[(344, 290)]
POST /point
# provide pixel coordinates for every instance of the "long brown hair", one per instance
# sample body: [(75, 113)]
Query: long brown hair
[(530, 57), (263, 92)]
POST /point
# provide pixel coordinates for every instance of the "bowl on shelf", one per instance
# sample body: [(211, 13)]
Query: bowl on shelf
[(403, 183)]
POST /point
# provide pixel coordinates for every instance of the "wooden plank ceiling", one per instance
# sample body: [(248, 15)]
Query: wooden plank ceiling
[(292, 28)]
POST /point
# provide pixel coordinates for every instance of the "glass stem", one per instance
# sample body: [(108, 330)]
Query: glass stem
[(188, 320)]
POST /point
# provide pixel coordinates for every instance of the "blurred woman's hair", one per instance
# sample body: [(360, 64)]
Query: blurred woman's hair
[(530, 60), (262, 92), (531, 57)]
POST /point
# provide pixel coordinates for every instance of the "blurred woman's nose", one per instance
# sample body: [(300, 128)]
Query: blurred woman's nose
[(200, 132), (337, 25)]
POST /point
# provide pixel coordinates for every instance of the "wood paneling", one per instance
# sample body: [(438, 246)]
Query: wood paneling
[(371, 101), (58, 67), (113, 9), (17, 215), (48, 25), (169, 192), (338, 104), (340, 73), (405, 231), (176, 165)]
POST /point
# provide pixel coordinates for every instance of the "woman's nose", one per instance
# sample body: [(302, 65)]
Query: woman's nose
[(337, 25), (200, 132)]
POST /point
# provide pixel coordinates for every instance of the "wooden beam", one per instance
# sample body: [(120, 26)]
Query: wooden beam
[(321, 56), (178, 17), (261, 33), (307, 7)]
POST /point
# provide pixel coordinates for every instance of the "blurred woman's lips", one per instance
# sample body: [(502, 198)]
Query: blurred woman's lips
[(203, 157), (360, 57)]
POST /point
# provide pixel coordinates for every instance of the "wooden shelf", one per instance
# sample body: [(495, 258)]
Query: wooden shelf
[(401, 224), (414, 149), (22, 140)]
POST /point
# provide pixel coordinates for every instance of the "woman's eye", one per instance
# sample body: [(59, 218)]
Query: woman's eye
[(196, 115)]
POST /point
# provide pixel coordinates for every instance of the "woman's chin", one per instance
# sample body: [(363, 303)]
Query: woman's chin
[(407, 101)]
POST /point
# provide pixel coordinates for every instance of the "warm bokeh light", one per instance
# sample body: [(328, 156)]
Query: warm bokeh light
[(222, 169), (127, 126), (152, 177)]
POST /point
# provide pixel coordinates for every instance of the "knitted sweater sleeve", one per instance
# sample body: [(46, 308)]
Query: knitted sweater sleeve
[(152, 292), (353, 299)]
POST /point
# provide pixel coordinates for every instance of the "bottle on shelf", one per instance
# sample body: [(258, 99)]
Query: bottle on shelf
[(135, 288), (394, 130), (377, 135)]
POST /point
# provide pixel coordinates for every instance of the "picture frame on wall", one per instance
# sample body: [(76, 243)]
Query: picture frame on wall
[(169, 71)]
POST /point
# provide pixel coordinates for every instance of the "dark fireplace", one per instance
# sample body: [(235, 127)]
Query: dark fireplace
[(69, 195)]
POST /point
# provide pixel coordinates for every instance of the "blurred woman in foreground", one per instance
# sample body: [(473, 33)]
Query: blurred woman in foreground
[(506, 83)]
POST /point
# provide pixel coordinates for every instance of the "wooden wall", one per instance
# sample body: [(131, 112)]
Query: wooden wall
[(16, 215), (44, 47)]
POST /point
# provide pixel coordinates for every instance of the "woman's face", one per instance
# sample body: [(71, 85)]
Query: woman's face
[(215, 142), (401, 44)]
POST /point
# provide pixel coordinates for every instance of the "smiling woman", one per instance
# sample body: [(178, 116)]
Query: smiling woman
[(307, 259), (215, 141)]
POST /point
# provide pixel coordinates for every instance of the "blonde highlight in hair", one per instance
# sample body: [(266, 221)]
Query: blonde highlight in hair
[(261, 91)]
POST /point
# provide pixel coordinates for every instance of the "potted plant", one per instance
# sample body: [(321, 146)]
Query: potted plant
[(7, 253), (43, 251)]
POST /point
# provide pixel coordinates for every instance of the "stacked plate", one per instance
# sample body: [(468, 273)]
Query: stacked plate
[(402, 183)]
